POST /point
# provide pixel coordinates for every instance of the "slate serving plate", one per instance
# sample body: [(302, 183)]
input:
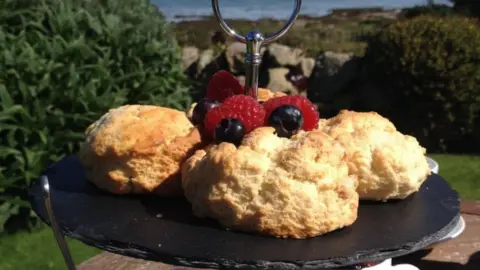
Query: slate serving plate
[(165, 230)]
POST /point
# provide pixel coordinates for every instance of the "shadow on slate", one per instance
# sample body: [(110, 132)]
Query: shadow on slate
[(165, 230)]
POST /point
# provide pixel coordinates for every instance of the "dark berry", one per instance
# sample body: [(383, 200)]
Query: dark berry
[(287, 120), (241, 107), (309, 111), (201, 109), (230, 130)]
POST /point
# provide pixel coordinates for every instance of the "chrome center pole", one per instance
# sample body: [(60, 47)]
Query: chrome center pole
[(254, 41)]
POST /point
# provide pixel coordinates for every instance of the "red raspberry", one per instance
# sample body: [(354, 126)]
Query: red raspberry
[(223, 85), (244, 108), (309, 112), (365, 265)]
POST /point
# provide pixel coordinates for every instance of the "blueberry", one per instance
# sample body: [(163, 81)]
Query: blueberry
[(287, 120), (230, 130), (201, 109)]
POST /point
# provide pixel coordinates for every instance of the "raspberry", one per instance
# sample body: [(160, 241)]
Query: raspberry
[(365, 265), (309, 112), (241, 107), (223, 85)]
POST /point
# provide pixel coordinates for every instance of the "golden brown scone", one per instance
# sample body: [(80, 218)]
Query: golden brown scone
[(349, 121), (139, 149), (388, 164), (263, 95), (295, 188)]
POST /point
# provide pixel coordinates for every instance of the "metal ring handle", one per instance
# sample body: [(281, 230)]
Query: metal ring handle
[(267, 40), (254, 41)]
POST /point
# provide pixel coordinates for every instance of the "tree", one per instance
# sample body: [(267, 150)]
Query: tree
[(469, 7)]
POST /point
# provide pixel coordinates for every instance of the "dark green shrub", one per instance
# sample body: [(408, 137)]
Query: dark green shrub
[(432, 10), (429, 68), (63, 64), (467, 7)]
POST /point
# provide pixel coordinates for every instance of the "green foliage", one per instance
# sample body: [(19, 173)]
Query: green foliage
[(431, 9), (63, 64), (467, 7), (428, 68)]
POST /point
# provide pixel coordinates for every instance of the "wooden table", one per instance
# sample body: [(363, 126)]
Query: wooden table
[(462, 253)]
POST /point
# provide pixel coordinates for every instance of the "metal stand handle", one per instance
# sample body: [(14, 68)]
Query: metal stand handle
[(254, 40), (47, 200)]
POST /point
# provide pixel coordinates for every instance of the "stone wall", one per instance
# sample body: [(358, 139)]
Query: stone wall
[(283, 68)]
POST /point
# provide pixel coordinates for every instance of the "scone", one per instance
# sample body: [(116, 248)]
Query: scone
[(139, 149), (265, 94), (294, 187), (388, 164)]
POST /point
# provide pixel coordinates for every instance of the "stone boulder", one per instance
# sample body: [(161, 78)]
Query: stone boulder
[(278, 81), (241, 79), (208, 64), (235, 55), (278, 55), (206, 57), (189, 56), (306, 66), (332, 73)]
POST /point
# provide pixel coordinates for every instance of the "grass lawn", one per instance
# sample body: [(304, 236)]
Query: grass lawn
[(462, 172), (38, 250)]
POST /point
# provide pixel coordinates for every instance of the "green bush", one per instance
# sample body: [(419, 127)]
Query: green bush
[(63, 64), (468, 7), (432, 10), (428, 68)]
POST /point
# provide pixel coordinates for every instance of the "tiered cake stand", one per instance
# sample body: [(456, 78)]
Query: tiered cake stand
[(165, 230)]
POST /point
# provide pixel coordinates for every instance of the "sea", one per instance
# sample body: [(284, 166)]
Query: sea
[(178, 10)]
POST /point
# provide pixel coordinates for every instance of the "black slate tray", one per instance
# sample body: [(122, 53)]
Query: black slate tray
[(165, 230)]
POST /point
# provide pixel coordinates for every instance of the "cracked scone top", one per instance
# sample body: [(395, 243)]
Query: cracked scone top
[(296, 188), (388, 164), (138, 149)]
